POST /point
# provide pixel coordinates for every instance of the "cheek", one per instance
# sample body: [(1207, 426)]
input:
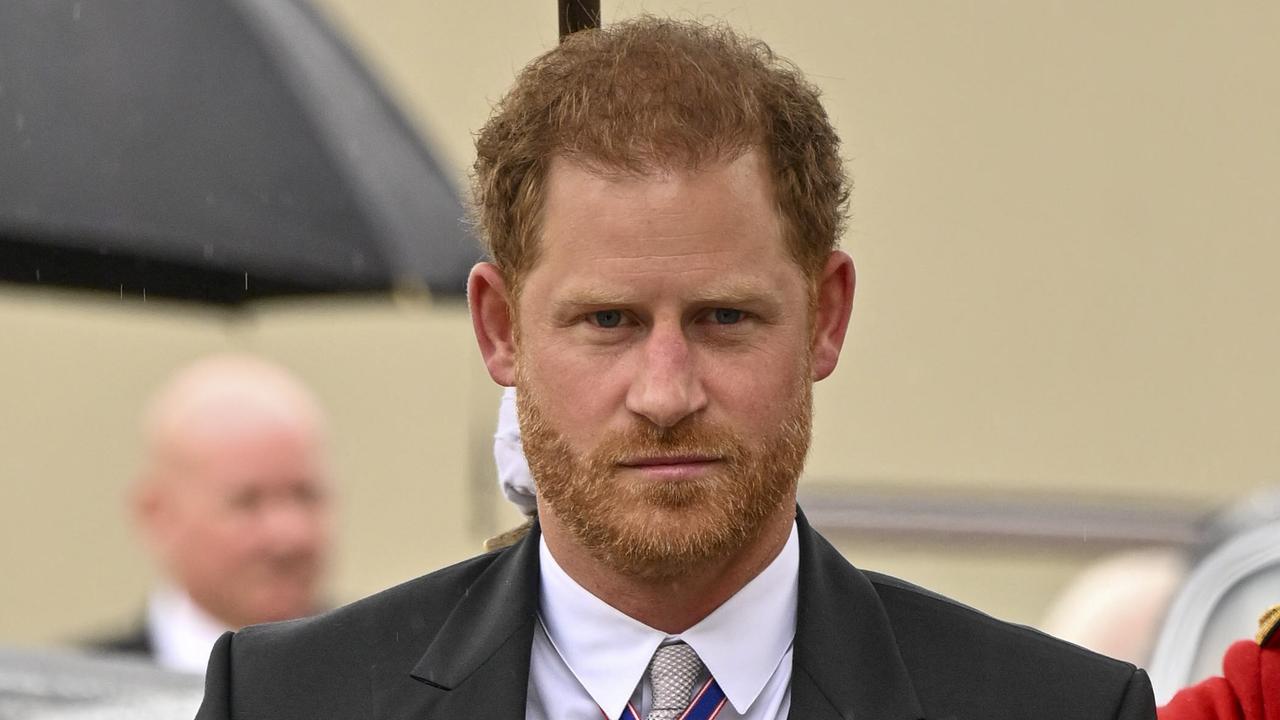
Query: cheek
[(222, 539), (321, 524), (576, 389), (774, 390)]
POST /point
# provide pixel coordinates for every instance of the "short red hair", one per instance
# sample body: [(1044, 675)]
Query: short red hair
[(651, 94)]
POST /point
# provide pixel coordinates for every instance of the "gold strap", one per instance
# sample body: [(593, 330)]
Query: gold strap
[(1267, 625)]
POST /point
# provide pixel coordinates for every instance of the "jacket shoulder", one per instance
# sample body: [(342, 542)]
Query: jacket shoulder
[(327, 665), (942, 617), (412, 608), (955, 652)]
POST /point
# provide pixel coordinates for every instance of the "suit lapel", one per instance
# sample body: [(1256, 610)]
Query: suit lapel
[(477, 665), (846, 661)]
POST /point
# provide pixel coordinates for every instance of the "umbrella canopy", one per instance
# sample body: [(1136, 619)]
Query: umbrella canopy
[(577, 15), (217, 150)]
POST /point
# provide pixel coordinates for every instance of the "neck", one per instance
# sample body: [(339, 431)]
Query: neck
[(674, 604)]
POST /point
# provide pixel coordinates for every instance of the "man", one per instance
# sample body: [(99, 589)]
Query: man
[(662, 203), (233, 503)]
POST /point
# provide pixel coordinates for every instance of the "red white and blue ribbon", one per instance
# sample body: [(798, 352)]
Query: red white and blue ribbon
[(706, 705)]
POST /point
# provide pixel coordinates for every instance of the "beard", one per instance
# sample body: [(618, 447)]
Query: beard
[(657, 530)]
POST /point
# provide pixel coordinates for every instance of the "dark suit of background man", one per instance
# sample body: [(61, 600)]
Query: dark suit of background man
[(662, 203)]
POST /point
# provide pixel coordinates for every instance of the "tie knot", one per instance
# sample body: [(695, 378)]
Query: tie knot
[(672, 672)]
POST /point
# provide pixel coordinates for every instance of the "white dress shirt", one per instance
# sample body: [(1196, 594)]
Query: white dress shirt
[(182, 634), (588, 658)]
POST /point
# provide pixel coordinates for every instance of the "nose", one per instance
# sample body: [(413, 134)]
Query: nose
[(667, 387), (292, 525)]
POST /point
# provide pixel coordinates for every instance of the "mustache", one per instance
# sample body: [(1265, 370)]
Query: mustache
[(293, 562), (689, 438)]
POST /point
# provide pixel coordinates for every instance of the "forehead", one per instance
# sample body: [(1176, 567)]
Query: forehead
[(719, 221), (260, 452)]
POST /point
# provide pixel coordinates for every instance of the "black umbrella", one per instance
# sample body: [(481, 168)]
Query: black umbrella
[(218, 150), (577, 15)]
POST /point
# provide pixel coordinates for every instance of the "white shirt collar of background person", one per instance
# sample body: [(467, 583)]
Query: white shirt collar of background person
[(182, 634), (745, 643)]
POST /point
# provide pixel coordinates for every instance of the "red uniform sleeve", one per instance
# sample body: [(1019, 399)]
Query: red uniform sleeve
[(1248, 690)]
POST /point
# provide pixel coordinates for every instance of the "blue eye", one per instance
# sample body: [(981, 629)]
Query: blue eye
[(727, 316), (607, 318)]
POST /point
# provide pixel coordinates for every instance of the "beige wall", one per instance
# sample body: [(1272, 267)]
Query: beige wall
[(1065, 223)]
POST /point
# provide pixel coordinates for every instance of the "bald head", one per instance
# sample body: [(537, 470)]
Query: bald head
[(233, 499), (223, 396)]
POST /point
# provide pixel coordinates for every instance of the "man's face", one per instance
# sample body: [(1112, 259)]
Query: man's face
[(663, 363), (244, 522)]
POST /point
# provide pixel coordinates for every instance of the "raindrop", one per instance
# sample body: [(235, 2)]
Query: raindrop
[(121, 292), (144, 294), (246, 282), (37, 274), (208, 251), (75, 11), (19, 121)]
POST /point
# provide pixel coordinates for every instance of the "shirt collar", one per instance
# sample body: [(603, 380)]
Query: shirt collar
[(182, 633), (742, 662), (608, 651)]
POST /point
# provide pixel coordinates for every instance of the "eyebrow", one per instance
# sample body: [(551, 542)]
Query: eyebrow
[(590, 295), (727, 292), (734, 292)]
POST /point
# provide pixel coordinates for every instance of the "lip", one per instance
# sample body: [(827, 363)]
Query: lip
[(668, 460), (681, 467)]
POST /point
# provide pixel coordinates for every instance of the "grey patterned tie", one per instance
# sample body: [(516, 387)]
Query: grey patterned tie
[(672, 672)]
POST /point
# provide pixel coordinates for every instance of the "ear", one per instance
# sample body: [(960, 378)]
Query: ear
[(150, 516), (831, 321), (492, 320)]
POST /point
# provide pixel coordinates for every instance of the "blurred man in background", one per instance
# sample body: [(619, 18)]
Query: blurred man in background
[(233, 503)]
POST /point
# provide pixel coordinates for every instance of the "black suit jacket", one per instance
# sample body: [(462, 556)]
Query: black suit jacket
[(455, 644), (135, 641)]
